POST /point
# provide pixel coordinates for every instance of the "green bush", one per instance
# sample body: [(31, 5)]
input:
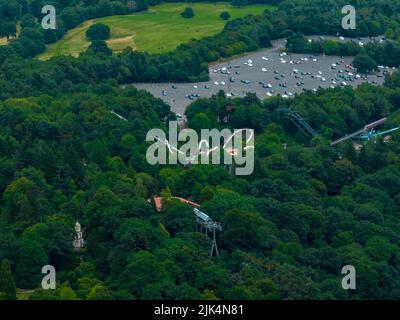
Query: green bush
[(98, 31), (364, 63), (225, 15), (188, 13)]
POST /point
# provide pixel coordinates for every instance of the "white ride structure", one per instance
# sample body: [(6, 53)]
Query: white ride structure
[(207, 224), (78, 242)]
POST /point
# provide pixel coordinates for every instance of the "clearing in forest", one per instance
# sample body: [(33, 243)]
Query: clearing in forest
[(157, 30)]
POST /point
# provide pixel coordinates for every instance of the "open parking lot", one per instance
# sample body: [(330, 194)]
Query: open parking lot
[(267, 73)]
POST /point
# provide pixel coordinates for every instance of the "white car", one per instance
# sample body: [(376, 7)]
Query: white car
[(264, 69), (269, 94), (222, 83), (216, 83)]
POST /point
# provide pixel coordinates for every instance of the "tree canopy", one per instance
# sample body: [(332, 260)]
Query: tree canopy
[(187, 13), (72, 148), (98, 31)]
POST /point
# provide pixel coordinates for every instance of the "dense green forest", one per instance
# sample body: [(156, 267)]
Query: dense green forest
[(307, 210)]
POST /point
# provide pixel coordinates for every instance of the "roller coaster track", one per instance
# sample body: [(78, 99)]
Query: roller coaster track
[(360, 134), (298, 121), (373, 135), (202, 219), (204, 146)]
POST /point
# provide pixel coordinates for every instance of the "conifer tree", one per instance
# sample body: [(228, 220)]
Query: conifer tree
[(7, 284)]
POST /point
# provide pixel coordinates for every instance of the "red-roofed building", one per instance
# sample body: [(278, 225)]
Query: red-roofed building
[(158, 202)]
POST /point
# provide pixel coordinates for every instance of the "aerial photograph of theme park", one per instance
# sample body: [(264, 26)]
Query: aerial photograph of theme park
[(199, 150)]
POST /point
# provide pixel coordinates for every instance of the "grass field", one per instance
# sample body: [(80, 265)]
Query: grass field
[(23, 294), (157, 30)]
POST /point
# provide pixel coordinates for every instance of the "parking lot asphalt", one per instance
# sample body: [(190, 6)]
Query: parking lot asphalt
[(267, 73)]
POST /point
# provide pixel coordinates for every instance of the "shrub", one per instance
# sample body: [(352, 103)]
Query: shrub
[(188, 13), (98, 31)]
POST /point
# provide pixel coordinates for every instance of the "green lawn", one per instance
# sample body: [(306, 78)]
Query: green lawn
[(159, 29), (23, 294)]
